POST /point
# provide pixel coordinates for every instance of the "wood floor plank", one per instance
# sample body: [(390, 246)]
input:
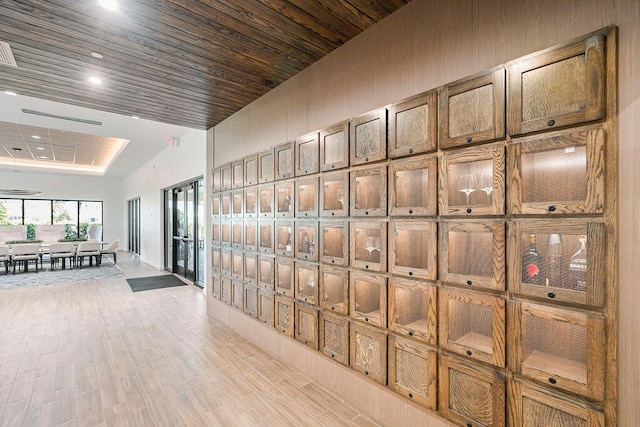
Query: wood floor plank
[(64, 406), (40, 415), (15, 413), (44, 390), (22, 387)]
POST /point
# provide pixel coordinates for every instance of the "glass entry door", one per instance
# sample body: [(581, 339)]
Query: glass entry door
[(183, 231)]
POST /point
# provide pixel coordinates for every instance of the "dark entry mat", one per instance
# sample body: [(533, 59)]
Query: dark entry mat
[(154, 282)]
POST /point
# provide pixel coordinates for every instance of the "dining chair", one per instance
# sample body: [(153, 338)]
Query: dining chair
[(4, 258), (61, 251), (111, 249), (23, 253), (90, 249)]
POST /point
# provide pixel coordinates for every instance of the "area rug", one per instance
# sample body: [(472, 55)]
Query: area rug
[(46, 277), (154, 282)]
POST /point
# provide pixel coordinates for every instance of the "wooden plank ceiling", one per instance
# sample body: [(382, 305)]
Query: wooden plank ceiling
[(184, 62)]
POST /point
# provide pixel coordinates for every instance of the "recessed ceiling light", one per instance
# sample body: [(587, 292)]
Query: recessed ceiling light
[(35, 137), (42, 157), (97, 55), (8, 92), (40, 148), (135, 117), (95, 80), (110, 5)]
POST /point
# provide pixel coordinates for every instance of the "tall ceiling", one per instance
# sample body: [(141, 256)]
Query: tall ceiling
[(188, 63)]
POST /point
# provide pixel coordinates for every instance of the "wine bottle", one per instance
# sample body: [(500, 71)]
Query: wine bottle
[(578, 266), (553, 270), (532, 264)]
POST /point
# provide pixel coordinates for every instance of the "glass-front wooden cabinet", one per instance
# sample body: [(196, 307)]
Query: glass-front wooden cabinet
[(307, 149), (237, 202), (266, 236), (216, 256), (216, 286), (472, 110), (470, 394), (306, 197), (471, 181), (306, 240), (368, 137), (472, 324), (368, 191), (226, 177), (413, 248), (237, 174), (266, 272), (237, 264), (413, 371), (266, 306), (412, 125), (413, 308), (251, 268), (284, 160), (225, 261), (226, 234), (558, 172), (558, 347), (266, 165), (250, 202), (251, 300), (413, 186), (251, 234), (558, 260), (226, 200), (306, 325), (284, 315), (285, 276), (334, 242), (284, 195), (237, 233), (216, 232), (368, 298), (334, 337), (215, 205), (334, 147), (334, 289), (307, 283), (334, 194), (285, 238), (225, 289), (265, 201), (368, 245), (368, 351), (237, 294), (250, 170), (472, 253), (216, 179)]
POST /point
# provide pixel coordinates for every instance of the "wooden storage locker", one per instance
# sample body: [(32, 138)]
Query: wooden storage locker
[(334, 147), (334, 337), (412, 125)]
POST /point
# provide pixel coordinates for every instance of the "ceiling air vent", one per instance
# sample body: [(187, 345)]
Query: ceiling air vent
[(6, 56), (53, 116)]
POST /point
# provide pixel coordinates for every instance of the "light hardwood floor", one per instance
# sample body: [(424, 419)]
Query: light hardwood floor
[(94, 353)]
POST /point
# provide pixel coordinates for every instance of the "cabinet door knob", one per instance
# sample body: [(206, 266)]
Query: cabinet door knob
[(469, 139), (332, 355), (469, 282), (551, 122), (410, 211), (411, 273), (551, 295), (468, 210), (366, 319), (333, 213), (552, 380), (366, 212), (552, 208), (366, 372), (410, 333), (366, 159), (411, 395), (410, 150), (469, 352)]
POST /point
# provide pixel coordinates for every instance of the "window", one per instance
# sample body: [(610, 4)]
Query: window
[(66, 212), (90, 213), (10, 212)]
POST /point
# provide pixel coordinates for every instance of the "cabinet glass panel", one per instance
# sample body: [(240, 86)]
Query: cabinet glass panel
[(368, 298), (284, 157), (216, 259), (284, 313), (368, 351), (412, 309), (250, 202), (266, 165), (306, 240), (558, 87), (251, 300), (266, 271), (251, 170), (216, 177), (472, 110), (472, 253), (284, 238), (368, 137), (237, 174), (225, 290), (306, 324), (215, 205), (334, 194), (369, 191), (470, 394), (533, 404), (307, 154), (334, 147), (334, 242), (307, 282), (226, 182), (562, 260), (226, 200), (334, 337), (368, 245), (560, 348), (225, 233), (472, 181), (413, 186), (285, 276), (251, 235), (237, 202), (558, 172), (266, 232), (251, 268), (284, 199), (237, 294), (412, 125), (266, 304), (237, 234), (412, 371), (237, 265), (225, 265), (216, 285), (306, 199), (216, 233), (413, 248), (472, 324), (265, 201), (334, 289)]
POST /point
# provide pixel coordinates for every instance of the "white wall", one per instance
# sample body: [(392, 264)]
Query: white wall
[(81, 187), (173, 165)]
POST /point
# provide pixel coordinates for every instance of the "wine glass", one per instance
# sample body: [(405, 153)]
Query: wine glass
[(486, 184), (340, 196), (371, 244), (467, 184)]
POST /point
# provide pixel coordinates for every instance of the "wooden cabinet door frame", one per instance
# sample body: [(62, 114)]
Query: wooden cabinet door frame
[(357, 176), (326, 340), (327, 258), (428, 253), (378, 121), (372, 337), (430, 311), (426, 394), (307, 145), (402, 123), (341, 133), (397, 187)]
